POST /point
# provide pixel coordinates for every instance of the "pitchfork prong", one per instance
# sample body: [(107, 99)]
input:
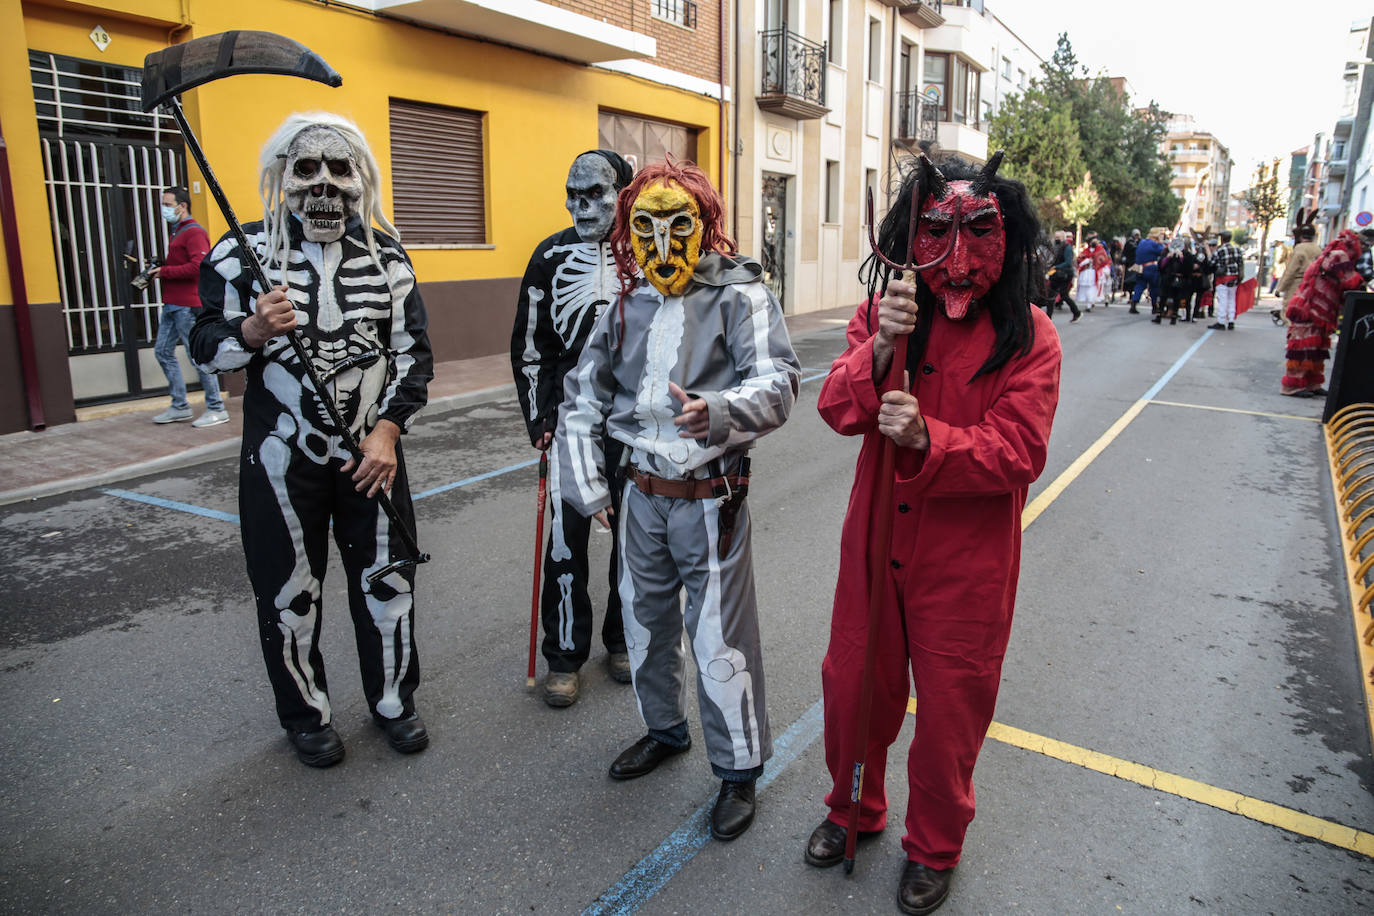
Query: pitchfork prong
[(911, 238)]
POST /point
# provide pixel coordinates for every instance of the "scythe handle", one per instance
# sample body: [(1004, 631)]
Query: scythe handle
[(293, 337)]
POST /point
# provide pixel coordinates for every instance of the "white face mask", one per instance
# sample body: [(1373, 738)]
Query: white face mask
[(169, 214)]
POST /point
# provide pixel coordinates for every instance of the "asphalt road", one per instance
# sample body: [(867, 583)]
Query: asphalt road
[(1182, 607)]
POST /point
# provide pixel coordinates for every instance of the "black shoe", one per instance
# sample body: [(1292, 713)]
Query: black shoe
[(322, 748), (1156, 319), (1134, 310), (405, 735), (734, 810), (1173, 319), (1230, 325), (1319, 392), (923, 888), (1216, 326), (1077, 315), (826, 846), (642, 757)]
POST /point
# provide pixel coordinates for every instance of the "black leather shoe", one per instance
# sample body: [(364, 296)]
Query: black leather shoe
[(1216, 326), (923, 888), (734, 810), (642, 757), (826, 846), (322, 748), (408, 735)]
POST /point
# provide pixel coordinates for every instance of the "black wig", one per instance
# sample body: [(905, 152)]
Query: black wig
[(1011, 298)]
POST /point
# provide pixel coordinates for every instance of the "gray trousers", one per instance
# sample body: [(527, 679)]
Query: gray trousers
[(667, 545)]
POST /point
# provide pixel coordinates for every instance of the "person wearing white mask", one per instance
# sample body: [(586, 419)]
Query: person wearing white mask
[(179, 277)]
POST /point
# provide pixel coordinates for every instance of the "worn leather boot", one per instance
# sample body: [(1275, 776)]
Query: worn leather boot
[(561, 688), (826, 846), (406, 736), (320, 748), (923, 888)]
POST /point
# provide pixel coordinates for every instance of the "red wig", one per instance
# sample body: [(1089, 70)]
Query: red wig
[(689, 178)]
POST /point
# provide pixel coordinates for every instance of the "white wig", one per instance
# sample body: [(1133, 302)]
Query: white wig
[(272, 165)]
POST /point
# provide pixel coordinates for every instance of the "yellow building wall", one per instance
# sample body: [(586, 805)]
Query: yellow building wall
[(540, 112)]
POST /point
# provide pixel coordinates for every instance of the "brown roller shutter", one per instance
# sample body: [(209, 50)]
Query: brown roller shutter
[(438, 183)]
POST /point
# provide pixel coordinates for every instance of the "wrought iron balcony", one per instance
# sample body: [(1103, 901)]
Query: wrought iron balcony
[(794, 75), (917, 117), (928, 14)]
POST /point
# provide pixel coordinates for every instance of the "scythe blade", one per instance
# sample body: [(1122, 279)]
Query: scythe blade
[(193, 63)]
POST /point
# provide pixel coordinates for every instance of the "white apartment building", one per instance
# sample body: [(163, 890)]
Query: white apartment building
[(832, 94)]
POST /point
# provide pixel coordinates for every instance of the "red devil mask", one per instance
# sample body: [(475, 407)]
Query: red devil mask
[(975, 264)]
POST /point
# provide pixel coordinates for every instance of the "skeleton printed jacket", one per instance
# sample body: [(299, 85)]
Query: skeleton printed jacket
[(345, 307), (723, 341), (565, 289)]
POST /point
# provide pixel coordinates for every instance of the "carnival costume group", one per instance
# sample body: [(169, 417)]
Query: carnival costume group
[(649, 358)]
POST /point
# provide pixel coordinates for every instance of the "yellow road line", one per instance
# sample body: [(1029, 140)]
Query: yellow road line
[(1253, 413), (1356, 589), (1223, 799), (1051, 493)]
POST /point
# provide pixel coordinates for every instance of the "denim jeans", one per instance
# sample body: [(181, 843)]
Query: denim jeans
[(173, 327)]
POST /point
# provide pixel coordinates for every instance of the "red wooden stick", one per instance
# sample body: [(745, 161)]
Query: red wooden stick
[(880, 549), (538, 559)]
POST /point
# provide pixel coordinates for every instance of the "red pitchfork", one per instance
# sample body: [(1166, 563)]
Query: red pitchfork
[(880, 543)]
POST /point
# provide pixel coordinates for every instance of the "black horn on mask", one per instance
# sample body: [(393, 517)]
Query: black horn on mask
[(984, 180)]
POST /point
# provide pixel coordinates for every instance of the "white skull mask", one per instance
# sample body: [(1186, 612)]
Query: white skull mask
[(321, 183)]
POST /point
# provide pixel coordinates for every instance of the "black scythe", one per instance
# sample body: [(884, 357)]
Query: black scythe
[(172, 71)]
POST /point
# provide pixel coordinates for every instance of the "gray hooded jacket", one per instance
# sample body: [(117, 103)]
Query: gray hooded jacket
[(724, 341)]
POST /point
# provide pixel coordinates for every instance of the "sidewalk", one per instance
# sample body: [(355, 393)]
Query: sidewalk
[(119, 441)]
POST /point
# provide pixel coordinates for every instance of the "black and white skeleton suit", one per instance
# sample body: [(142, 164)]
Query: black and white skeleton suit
[(290, 485), (723, 341), (566, 287)]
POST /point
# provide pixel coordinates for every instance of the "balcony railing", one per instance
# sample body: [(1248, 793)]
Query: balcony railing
[(917, 117), (794, 74), (679, 12)]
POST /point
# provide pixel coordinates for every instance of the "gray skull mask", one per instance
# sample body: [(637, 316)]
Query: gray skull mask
[(321, 183), (591, 197)]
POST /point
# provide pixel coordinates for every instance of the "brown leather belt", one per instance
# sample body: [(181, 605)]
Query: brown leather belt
[(703, 488)]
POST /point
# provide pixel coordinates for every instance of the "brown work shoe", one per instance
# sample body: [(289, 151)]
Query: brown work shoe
[(561, 688), (826, 846), (618, 666), (923, 888)]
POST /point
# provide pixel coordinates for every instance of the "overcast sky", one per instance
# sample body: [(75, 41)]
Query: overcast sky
[(1262, 77)]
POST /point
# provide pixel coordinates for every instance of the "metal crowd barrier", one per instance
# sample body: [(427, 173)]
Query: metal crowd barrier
[(1350, 447)]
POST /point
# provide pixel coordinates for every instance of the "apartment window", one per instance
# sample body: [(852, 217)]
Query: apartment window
[(956, 84), (438, 174), (936, 75), (875, 51), (1006, 68), (678, 12), (832, 191), (835, 32), (1021, 79)]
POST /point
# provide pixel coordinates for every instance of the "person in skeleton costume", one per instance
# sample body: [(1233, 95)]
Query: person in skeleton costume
[(570, 279), (972, 427), (349, 292), (691, 367)]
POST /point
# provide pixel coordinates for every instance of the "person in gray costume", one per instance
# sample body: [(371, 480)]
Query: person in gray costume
[(690, 368)]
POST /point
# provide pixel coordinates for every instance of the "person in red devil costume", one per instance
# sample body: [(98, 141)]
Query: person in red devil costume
[(971, 426)]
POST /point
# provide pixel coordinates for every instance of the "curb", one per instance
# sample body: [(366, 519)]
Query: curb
[(213, 451)]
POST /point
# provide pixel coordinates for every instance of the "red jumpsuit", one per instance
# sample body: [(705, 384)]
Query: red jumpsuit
[(956, 554)]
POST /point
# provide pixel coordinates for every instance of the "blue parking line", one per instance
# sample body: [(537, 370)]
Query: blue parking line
[(171, 504), (656, 869), (1173, 370), (480, 477)]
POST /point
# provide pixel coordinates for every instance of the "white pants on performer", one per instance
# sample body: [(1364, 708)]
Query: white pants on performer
[(1225, 302)]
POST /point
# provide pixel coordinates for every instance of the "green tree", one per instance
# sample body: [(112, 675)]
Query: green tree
[(1118, 142), (1041, 142), (1266, 203), (1080, 206)]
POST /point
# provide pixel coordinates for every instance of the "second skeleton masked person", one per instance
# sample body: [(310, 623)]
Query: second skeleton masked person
[(570, 280)]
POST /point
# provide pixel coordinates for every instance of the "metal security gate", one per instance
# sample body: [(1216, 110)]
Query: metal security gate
[(105, 164), (774, 197)]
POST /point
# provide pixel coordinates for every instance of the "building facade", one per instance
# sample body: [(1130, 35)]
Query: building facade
[(1349, 183), (1201, 174), (474, 111)]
